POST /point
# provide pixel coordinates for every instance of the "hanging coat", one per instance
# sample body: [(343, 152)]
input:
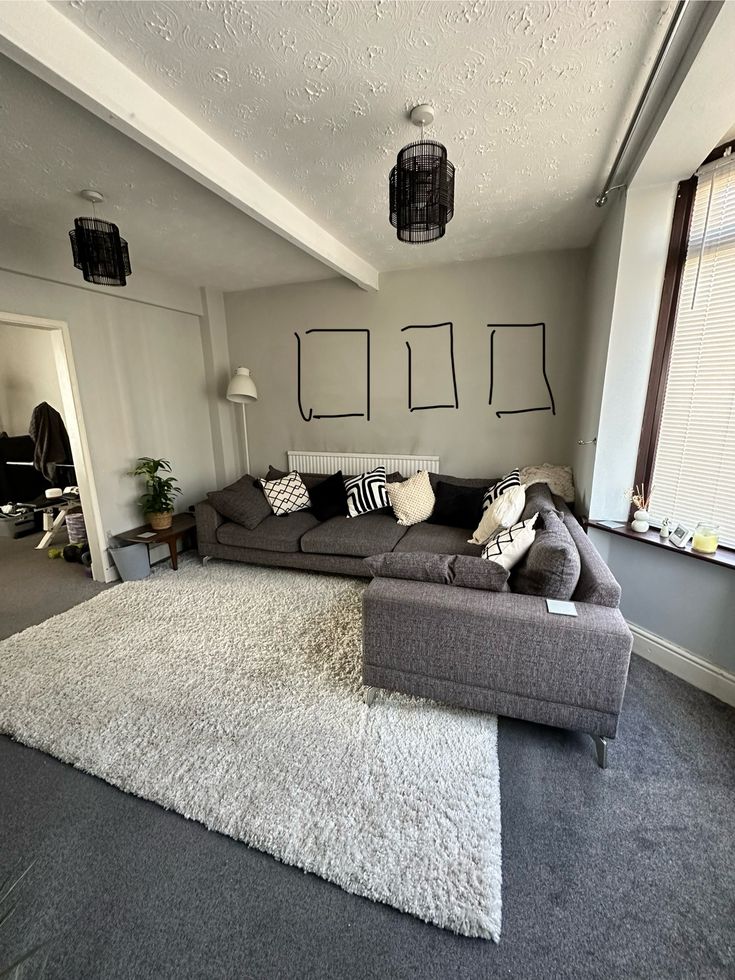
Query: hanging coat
[(51, 440)]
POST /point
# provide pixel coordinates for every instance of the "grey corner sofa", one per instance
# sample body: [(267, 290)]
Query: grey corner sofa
[(501, 652)]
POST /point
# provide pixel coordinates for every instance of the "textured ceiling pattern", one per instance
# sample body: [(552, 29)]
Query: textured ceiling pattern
[(531, 98), (51, 148)]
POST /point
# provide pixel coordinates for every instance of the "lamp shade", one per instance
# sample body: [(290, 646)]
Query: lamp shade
[(242, 387), (100, 252)]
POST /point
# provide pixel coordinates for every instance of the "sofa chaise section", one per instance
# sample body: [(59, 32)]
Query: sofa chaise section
[(497, 652)]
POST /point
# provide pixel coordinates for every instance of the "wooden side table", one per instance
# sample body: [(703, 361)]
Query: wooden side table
[(183, 527)]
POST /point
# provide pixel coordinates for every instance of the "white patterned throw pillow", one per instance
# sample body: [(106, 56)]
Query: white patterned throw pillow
[(509, 544), (286, 495), (513, 479), (503, 512), (412, 500), (366, 492)]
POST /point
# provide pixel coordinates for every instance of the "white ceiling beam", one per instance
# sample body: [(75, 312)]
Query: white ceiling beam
[(41, 39)]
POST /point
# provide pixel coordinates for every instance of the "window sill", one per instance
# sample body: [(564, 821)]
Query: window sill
[(723, 556)]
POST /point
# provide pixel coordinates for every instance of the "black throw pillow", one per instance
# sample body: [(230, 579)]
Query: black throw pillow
[(457, 506), (329, 498)]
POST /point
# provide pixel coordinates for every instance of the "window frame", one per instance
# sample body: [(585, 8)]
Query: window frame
[(664, 336)]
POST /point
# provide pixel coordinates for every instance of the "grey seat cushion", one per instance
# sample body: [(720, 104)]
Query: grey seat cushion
[(368, 534), (242, 502), (273, 534), (552, 566), (439, 539)]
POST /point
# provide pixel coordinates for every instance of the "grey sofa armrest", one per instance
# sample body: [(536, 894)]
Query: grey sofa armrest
[(459, 644), (208, 520)]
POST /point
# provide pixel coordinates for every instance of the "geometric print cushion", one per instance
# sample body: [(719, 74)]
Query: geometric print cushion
[(513, 479), (366, 492), (287, 495), (508, 545)]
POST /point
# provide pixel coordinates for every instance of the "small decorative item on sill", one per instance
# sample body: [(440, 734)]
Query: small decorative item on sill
[(665, 529), (157, 503), (706, 538), (641, 501)]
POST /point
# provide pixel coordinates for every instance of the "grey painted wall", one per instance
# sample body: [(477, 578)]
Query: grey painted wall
[(687, 601), (547, 287)]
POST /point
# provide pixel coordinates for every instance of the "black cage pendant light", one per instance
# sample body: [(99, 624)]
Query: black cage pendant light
[(422, 186), (98, 249)]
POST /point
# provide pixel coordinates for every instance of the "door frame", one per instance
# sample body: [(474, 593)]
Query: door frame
[(75, 426)]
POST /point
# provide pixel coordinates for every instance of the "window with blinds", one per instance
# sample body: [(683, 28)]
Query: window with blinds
[(693, 474)]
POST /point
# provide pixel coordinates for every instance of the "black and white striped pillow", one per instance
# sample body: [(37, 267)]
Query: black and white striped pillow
[(366, 492), (513, 479)]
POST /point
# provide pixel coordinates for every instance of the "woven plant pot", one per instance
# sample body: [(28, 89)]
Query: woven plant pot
[(159, 522)]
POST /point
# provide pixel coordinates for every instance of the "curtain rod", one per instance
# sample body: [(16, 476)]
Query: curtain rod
[(663, 51)]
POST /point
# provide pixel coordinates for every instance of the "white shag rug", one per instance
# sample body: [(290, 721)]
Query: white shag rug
[(232, 694)]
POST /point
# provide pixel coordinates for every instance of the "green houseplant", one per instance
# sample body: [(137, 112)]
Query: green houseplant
[(157, 503)]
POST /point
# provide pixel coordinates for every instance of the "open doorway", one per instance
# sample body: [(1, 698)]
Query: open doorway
[(45, 471)]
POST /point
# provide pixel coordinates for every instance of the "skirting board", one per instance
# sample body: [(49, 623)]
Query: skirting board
[(696, 671)]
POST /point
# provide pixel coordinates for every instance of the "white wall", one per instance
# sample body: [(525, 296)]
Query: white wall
[(545, 287), (142, 381), (601, 281), (27, 376)]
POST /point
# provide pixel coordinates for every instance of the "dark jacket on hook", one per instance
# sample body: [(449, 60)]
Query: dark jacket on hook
[(50, 439)]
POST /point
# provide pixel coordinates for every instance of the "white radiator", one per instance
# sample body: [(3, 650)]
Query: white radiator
[(353, 463)]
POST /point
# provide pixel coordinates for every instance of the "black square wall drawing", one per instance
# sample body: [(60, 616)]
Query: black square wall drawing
[(333, 374), (518, 380), (432, 380)]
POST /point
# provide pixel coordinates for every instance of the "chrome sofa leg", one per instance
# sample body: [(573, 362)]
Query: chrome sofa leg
[(206, 559), (601, 750), (369, 695)]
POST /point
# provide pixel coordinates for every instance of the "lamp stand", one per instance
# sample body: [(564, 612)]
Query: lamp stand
[(245, 434)]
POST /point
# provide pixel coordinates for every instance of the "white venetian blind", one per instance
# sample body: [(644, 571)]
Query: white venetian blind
[(694, 468)]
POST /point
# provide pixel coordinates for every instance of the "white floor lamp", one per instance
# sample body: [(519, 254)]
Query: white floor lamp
[(242, 389)]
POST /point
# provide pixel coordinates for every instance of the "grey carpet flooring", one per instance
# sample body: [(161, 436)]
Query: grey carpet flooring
[(628, 872)]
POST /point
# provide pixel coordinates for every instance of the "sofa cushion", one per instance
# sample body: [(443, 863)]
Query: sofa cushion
[(551, 567), (474, 573), (509, 544), (329, 497), (439, 539), (538, 499), (478, 483), (242, 502), (412, 500), (493, 493), (274, 534), (504, 511), (456, 506), (418, 566), (597, 583), (462, 571), (367, 534)]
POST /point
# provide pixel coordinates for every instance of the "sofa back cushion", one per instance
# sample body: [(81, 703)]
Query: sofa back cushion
[(538, 499), (463, 571), (551, 567), (456, 506), (596, 582), (242, 502), (482, 482)]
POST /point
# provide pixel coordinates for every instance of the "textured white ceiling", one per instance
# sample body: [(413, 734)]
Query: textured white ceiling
[(531, 98), (51, 148)]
